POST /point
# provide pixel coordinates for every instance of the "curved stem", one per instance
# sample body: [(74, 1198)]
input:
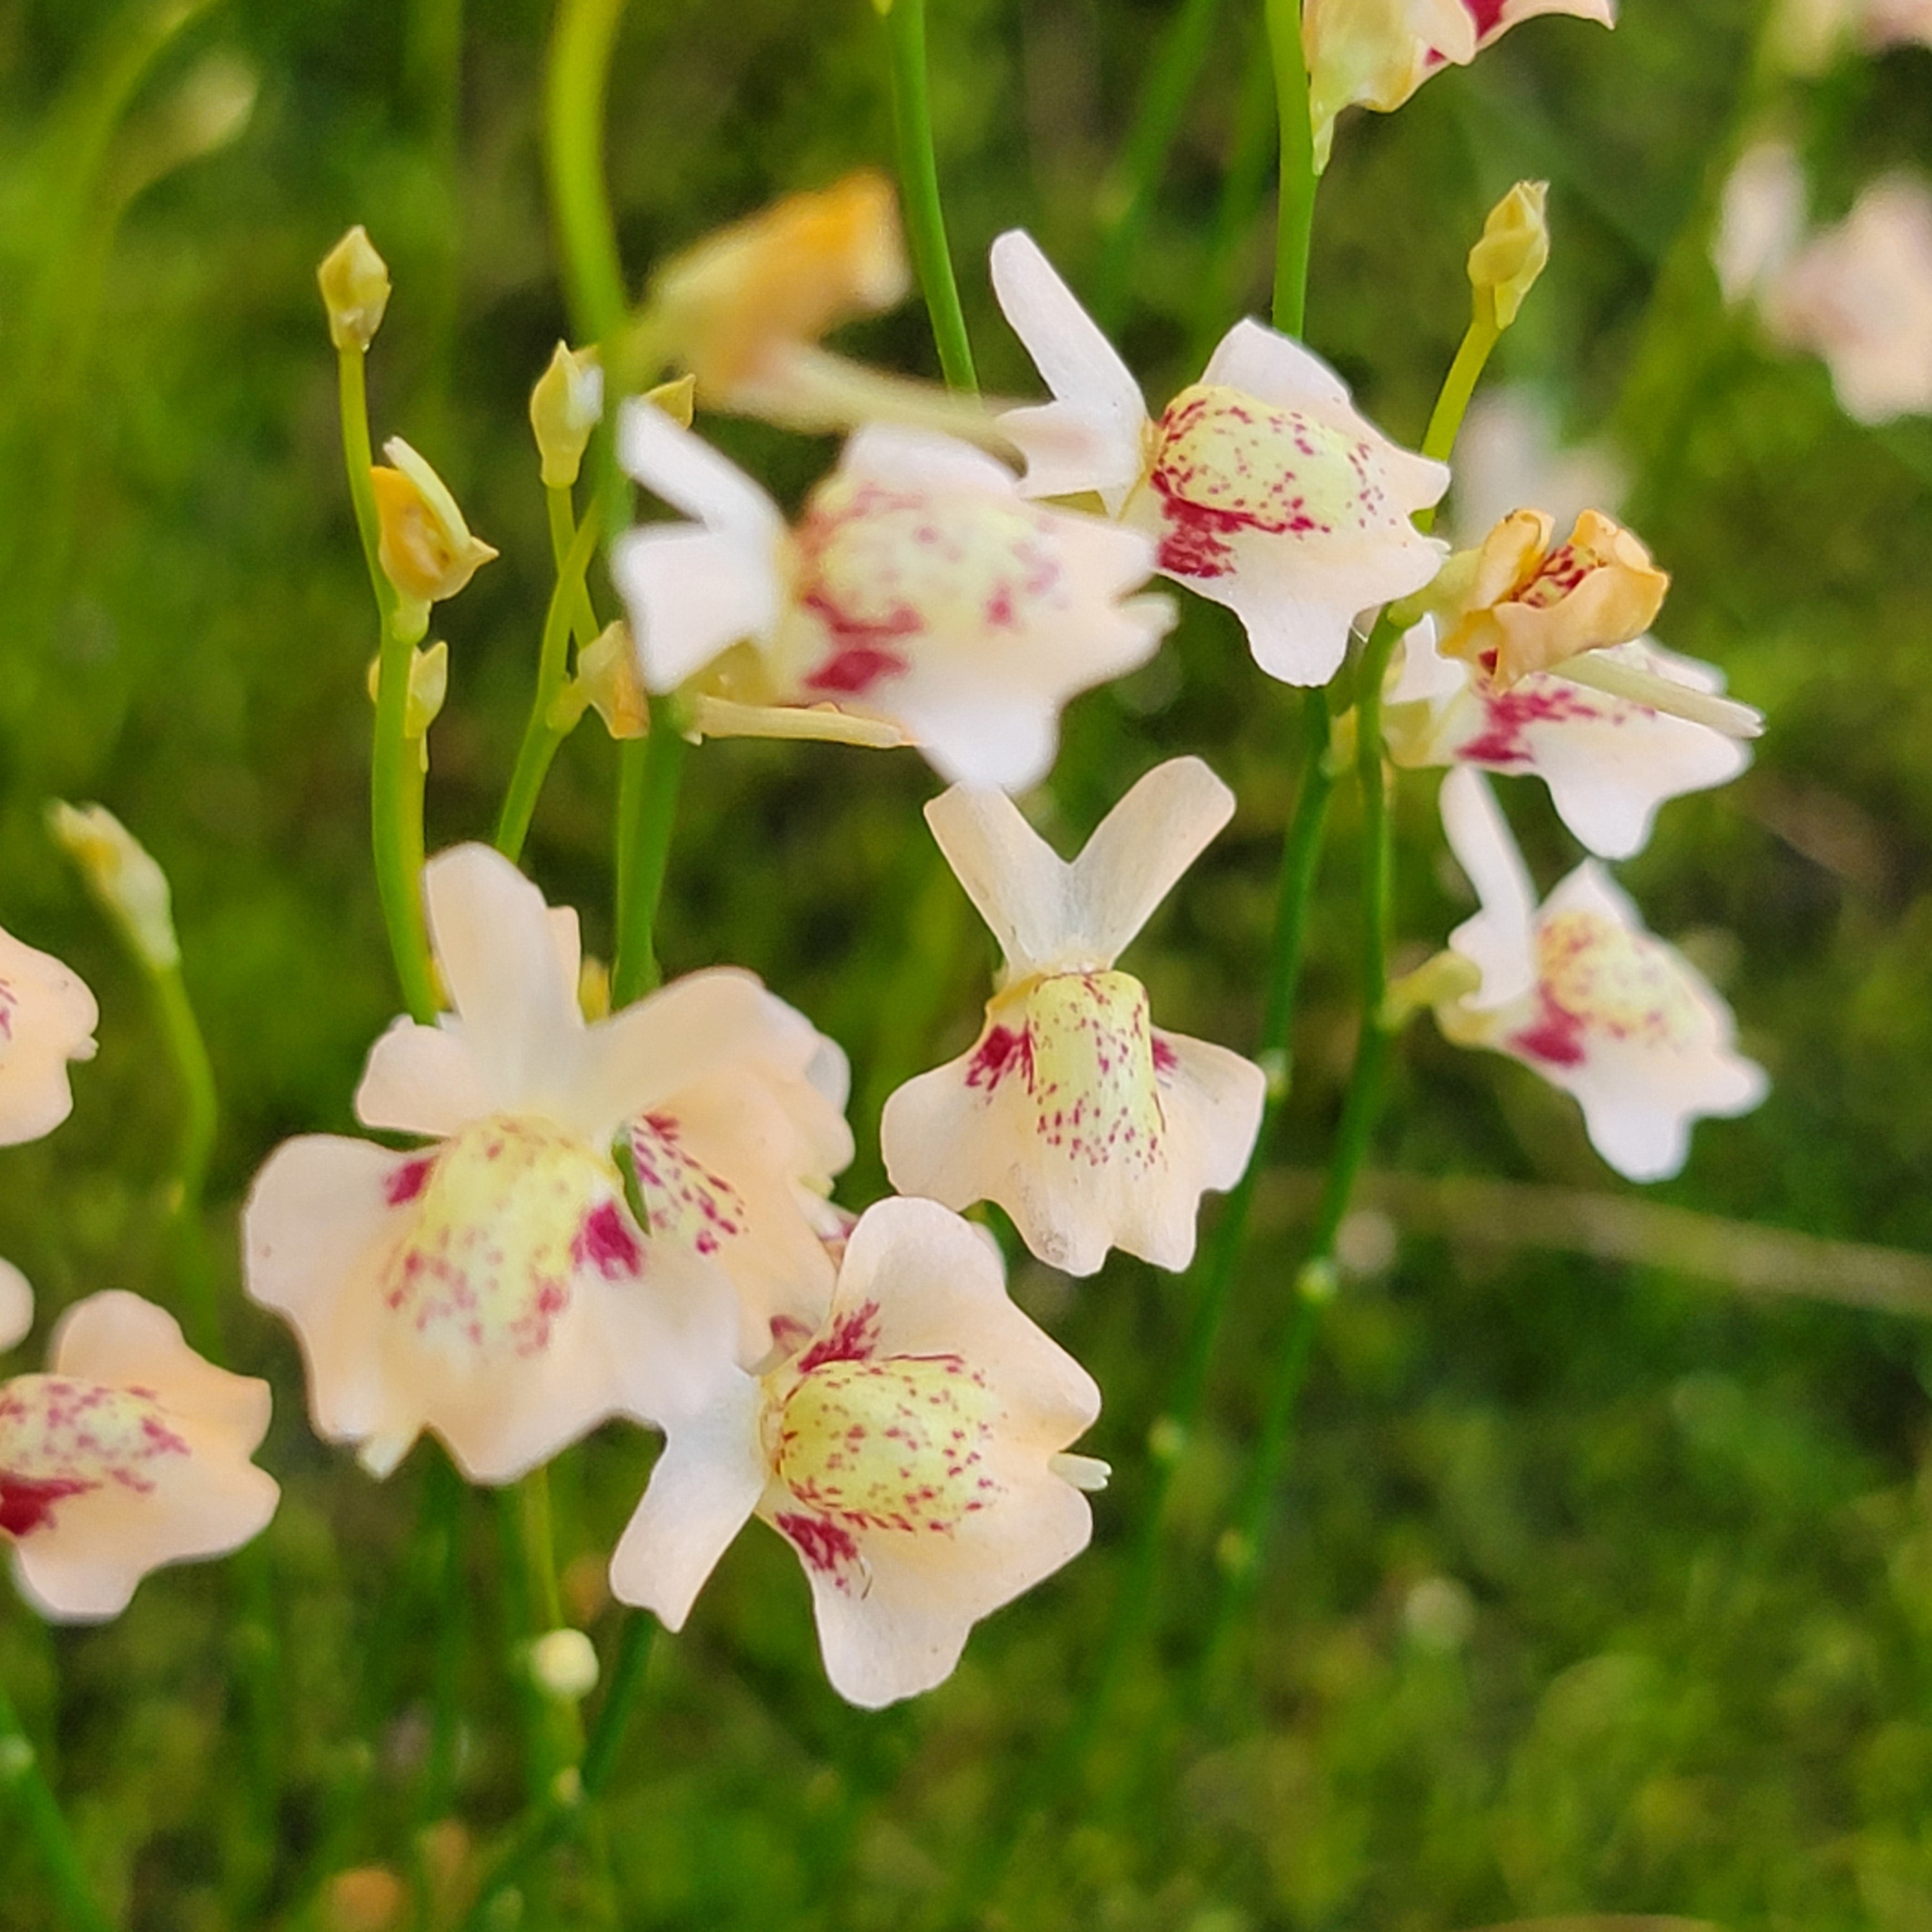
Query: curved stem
[(1458, 386), (22, 1781), (649, 774), (918, 187), (542, 738), (194, 1081), (579, 66), (1296, 218)]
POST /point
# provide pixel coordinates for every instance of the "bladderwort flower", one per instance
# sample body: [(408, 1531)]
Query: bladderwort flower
[(494, 1287), (1090, 1127), (919, 598), (1578, 990), (910, 1452), (1263, 487), (130, 1452), (1608, 762), (1375, 53), (47, 1019), (424, 547)]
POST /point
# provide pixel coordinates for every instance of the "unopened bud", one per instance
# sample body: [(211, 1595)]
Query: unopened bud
[(678, 399), (564, 1663), (606, 680), (565, 406), (122, 874), (1514, 249), (429, 686), (593, 988), (355, 289), (426, 549)]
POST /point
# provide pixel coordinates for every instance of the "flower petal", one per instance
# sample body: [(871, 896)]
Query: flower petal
[(691, 594), (47, 1018), (1500, 939), (1263, 362), (671, 462), (420, 1080), (1017, 881), (16, 1306)]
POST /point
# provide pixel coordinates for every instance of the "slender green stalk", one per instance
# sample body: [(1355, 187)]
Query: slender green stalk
[(650, 770), (1452, 404), (579, 72), (1171, 76), (22, 1783), (919, 188), (194, 1082), (1296, 218), (562, 534), (541, 737), (626, 1682)]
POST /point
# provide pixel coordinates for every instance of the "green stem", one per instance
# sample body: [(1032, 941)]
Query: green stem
[(650, 770), (22, 1780), (1452, 404), (579, 68), (626, 1682), (1296, 218), (563, 534), (542, 738), (918, 187), (194, 1081), (1171, 78)]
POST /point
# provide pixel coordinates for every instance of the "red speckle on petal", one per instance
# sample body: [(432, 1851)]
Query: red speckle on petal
[(26, 1506), (407, 1182), (824, 1545), (854, 669), (1487, 14), (851, 1339), (1001, 1052), (1501, 743), (1555, 1037), (1166, 1060), (605, 1243)]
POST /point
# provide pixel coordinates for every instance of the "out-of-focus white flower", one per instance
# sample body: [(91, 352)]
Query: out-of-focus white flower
[(1263, 487), (1608, 762), (1091, 1129), (47, 1018), (1760, 220), (130, 1452), (1859, 294), (1808, 33), (1506, 456), (1578, 990), (17, 1305), (910, 1453), (919, 591), (493, 1288), (1375, 53)]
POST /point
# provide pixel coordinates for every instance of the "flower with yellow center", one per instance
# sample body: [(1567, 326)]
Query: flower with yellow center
[(129, 1453), (1093, 1129), (918, 594), (493, 1286), (1260, 485), (1578, 990), (47, 1018), (909, 1449)]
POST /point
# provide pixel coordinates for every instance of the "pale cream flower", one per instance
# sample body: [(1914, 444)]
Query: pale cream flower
[(1578, 990), (910, 1453), (1610, 762), (1859, 294), (1375, 53), (16, 1306), (1807, 34), (424, 547), (1760, 220), (566, 405), (130, 1452), (47, 1018), (355, 284), (493, 1288), (919, 591), (1263, 487), (1089, 1126)]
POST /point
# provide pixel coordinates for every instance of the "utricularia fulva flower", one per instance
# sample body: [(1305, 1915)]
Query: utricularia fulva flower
[(910, 1450), (1092, 1128), (493, 1286), (1261, 485), (918, 590), (47, 1019)]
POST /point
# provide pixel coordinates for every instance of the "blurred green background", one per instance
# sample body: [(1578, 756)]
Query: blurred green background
[(1598, 1584)]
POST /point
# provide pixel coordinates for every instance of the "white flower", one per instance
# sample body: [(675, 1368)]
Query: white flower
[(17, 1305), (918, 590), (494, 1287), (47, 1018), (1263, 487), (1859, 294), (130, 1452), (910, 1452), (1375, 53), (1092, 1129), (1508, 455), (1760, 219), (1610, 762), (1577, 989)]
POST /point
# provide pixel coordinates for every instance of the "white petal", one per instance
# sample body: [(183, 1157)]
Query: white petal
[(1089, 438), (47, 1018), (704, 1487), (689, 475), (923, 459), (1139, 850), (1262, 362), (491, 933), (17, 1305), (420, 1080), (1500, 940), (691, 594), (1018, 882), (1212, 1100)]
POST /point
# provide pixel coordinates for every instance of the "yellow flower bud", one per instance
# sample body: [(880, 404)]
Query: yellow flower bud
[(355, 289), (122, 874), (782, 278), (426, 550), (607, 679), (1513, 250), (565, 407), (429, 686), (1517, 605)]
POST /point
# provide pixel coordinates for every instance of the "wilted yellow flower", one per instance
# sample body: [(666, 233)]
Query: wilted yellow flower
[(735, 304), (1517, 605), (426, 551), (355, 284), (1514, 249)]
